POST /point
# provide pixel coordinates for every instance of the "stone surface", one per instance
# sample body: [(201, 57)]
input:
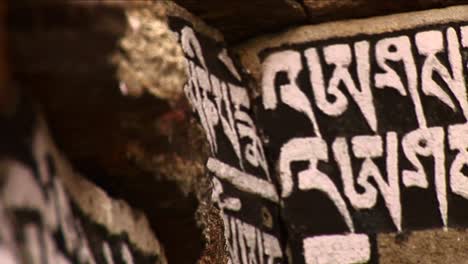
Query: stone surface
[(434, 246), (141, 94), (50, 212), (249, 50), (151, 59), (218, 94), (365, 123), (328, 10), (239, 20), (118, 113), (242, 19)]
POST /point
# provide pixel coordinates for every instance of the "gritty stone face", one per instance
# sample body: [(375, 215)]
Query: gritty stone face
[(434, 246), (138, 143), (150, 58)]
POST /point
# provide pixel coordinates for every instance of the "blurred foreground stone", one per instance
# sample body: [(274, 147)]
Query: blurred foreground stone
[(49, 213), (109, 76)]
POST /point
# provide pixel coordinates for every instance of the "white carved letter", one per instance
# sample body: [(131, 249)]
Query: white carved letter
[(427, 142), (458, 140), (395, 50), (311, 150), (364, 200), (290, 63), (340, 56)]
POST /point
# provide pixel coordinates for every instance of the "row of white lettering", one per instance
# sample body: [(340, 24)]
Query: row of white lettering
[(424, 142), (218, 103), (247, 244), (398, 49)]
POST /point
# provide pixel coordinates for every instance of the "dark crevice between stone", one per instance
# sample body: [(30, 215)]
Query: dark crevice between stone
[(341, 10), (243, 19), (240, 21), (304, 7), (284, 235)]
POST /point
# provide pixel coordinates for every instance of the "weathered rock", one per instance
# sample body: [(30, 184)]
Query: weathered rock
[(51, 213), (219, 94), (366, 125), (328, 10), (429, 246), (110, 77), (139, 69), (308, 161), (238, 20)]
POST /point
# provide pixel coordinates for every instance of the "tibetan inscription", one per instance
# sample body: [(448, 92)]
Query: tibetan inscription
[(366, 124), (242, 184)]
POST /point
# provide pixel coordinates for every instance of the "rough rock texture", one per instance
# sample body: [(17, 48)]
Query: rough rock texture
[(150, 57), (327, 10), (218, 93), (118, 112), (110, 76), (242, 19), (430, 246)]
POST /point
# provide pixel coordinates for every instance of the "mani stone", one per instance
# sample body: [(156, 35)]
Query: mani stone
[(288, 72)]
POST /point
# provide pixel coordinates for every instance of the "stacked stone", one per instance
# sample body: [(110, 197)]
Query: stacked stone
[(328, 143)]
